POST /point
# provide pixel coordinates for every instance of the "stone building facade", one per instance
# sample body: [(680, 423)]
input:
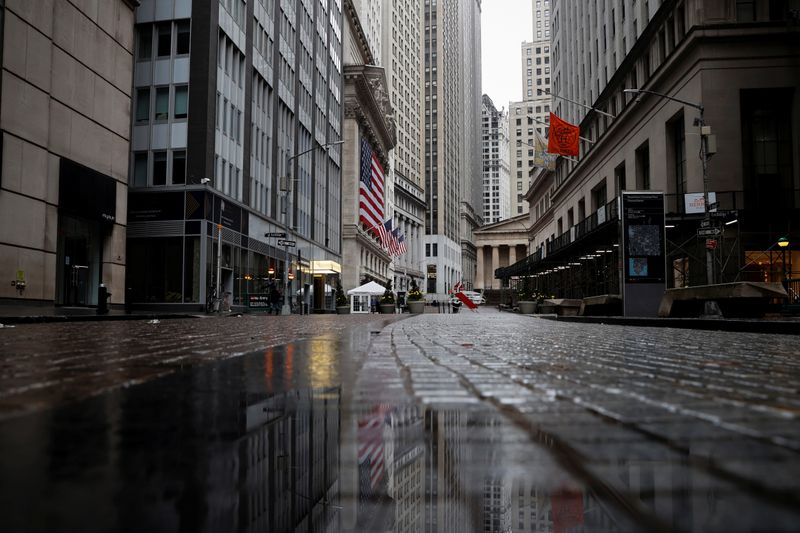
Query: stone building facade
[(67, 70)]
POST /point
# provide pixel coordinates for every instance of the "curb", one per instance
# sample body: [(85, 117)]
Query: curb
[(779, 327)]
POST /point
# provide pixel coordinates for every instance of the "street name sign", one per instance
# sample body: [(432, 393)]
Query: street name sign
[(283, 242), (278, 234), (708, 232)]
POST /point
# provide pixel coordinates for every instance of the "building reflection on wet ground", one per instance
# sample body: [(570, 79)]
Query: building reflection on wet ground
[(300, 438)]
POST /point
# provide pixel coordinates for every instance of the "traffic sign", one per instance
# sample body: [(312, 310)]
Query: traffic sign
[(708, 232), (283, 242), (711, 244), (278, 234), (705, 223)]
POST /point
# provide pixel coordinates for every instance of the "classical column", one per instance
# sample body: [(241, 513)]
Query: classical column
[(495, 261), (480, 281), (512, 254)]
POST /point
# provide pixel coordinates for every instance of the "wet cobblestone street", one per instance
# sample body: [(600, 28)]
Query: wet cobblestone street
[(455, 422)]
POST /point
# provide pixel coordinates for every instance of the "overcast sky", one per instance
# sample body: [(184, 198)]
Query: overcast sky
[(504, 25)]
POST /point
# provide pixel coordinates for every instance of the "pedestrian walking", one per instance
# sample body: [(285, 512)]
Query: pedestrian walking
[(275, 300)]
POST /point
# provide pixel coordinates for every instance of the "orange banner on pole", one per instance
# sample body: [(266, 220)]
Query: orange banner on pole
[(563, 137)]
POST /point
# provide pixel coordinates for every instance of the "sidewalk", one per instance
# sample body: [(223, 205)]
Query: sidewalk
[(33, 314)]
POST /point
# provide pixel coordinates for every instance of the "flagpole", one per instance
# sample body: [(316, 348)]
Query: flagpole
[(528, 143), (548, 93)]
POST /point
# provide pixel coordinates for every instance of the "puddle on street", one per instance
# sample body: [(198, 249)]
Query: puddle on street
[(268, 442)]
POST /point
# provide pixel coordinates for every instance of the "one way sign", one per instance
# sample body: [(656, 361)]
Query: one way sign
[(283, 242)]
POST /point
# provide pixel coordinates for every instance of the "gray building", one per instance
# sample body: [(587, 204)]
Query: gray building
[(453, 190), (529, 118), (235, 105), (66, 77), (738, 60)]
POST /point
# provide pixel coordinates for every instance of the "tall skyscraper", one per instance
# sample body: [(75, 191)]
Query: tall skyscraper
[(236, 104), (452, 142), (532, 114), (65, 138), (402, 59), (496, 177), (589, 44)]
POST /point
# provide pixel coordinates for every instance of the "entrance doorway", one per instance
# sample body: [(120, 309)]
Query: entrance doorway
[(78, 259)]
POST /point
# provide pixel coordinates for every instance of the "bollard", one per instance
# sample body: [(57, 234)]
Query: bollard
[(102, 300)]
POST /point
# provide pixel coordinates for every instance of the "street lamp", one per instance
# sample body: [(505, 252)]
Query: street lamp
[(705, 131), (783, 243), (286, 187)]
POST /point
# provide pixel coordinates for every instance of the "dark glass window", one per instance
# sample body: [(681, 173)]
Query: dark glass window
[(140, 169), (143, 105), (145, 38), (156, 270), (179, 167), (159, 168), (181, 101), (164, 39), (182, 37), (162, 103)]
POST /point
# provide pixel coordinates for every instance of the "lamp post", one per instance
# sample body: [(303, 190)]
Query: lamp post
[(783, 243), (704, 133), (286, 187), (219, 257)]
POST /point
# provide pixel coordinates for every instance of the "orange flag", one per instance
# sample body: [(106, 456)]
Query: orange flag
[(563, 137)]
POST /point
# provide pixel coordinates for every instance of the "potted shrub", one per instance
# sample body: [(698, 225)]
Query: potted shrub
[(416, 303), (387, 300), (342, 305), (527, 298)]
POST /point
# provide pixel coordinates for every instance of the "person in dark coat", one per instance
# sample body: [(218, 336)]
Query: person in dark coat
[(275, 300)]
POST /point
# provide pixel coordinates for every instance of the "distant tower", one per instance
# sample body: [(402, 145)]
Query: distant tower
[(452, 162), (531, 115), (496, 175)]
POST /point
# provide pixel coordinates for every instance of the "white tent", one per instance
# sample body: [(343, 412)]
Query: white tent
[(360, 296)]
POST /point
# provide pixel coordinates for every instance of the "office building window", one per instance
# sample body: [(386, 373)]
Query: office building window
[(164, 45), (140, 169), (143, 105), (159, 168), (179, 167), (145, 42), (162, 103), (643, 167), (182, 38), (180, 107)]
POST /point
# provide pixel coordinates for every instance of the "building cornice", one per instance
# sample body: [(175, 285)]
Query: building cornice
[(367, 101), (358, 31)]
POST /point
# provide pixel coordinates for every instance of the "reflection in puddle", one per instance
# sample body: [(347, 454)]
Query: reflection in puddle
[(265, 444)]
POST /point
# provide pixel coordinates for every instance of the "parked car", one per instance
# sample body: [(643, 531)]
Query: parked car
[(476, 297)]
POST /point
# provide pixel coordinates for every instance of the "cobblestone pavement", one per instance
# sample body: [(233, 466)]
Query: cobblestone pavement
[(461, 422), (673, 428), (42, 365)]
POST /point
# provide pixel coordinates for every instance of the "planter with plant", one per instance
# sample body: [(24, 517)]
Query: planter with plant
[(387, 300), (528, 298), (415, 299), (342, 305)]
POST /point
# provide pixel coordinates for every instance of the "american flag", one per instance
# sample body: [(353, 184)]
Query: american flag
[(401, 245), (370, 442), (394, 243), (370, 196), (386, 238)]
